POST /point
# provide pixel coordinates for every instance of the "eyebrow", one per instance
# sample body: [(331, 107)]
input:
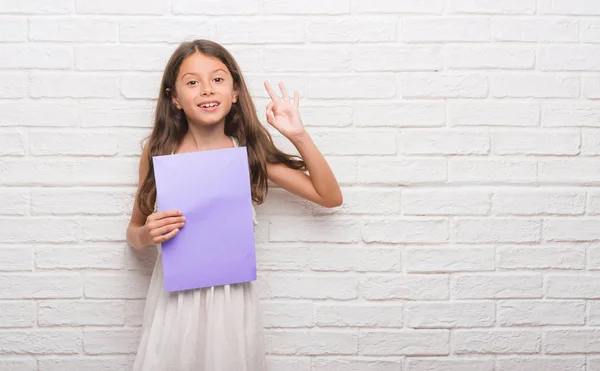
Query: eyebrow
[(193, 73)]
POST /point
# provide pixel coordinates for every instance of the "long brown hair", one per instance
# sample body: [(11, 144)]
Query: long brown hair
[(170, 126)]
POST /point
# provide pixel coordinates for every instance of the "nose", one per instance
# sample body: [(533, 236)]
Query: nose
[(206, 89)]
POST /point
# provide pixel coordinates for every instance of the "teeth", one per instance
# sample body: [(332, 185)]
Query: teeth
[(209, 105)]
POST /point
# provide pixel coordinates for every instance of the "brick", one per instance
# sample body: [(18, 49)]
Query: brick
[(589, 30), (212, 7), (499, 341), (37, 7), (351, 86), (591, 86), (497, 230), (25, 363), (490, 57), (288, 314), (449, 315), (573, 114), (535, 30), (138, 86), (355, 364), (496, 286), (115, 286), (493, 113), (492, 7), (541, 257), (552, 363), (356, 142), (23, 56), (43, 114), (422, 230), (121, 58), (308, 7), (365, 29), (112, 341), (311, 342), (370, 259), (449, 364), (117, 114), (96, 257), (282, 258), (13, 143), (397, 58), (541, 313), (340, 287), (401, 171), (590, 142), (358, 315), (446, 29), (571, 170), (57, 143), (158, 30), (547, 142), (13, 85), (307, 59), (70, 172), (593, 206), (81, 313), (441, 201), (371, 201), (572, 286), (534, 86), (14, 201), (443, 85), (401, 114), (51, 342), (72, 30), (492, 170), (289, 363), (569, 58), (43, 85), (134, 312), (445, 142), (75, 363), (327, 116), (19, 230), (57, 201), (136, 7), (574, 229), (448, 259), (404, 342), (17, 314), (411, 7), (571, 341), (342, 231), (570, 7), (534, 201), (257, 30), (17, 258), (40, 286), (408, 287)]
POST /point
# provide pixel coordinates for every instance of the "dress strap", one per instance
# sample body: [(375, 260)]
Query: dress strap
[(235, 141)]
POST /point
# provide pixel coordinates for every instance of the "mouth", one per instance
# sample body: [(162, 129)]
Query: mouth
[(209, 106)]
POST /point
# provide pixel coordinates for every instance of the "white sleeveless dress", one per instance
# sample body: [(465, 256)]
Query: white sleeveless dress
[(210, 329)]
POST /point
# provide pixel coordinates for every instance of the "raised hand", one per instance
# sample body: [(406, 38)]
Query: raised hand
[(282, 114)]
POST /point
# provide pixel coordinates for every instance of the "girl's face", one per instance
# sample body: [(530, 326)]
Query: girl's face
[(204, 90)]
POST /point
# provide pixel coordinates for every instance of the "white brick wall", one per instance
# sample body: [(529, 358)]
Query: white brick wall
[(465, 134)]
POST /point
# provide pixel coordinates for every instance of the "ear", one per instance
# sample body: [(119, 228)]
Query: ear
[(174, 98), (235, 95)]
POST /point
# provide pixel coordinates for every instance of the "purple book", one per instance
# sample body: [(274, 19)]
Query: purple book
[(216, 245)]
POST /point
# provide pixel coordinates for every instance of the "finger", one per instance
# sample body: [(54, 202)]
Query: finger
[(284, 93), (270, 118), (166, 237), (164, 214), (166, 229), (270, 106), (297, 98), (166, 221), (271, 92)]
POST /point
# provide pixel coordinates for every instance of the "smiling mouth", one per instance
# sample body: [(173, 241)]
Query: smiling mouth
[(209, 105)]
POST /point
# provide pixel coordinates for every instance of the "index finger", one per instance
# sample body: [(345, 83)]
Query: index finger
[(271, 92), (167, 213)]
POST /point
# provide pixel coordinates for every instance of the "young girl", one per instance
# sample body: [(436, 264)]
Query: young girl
[(204, 104)]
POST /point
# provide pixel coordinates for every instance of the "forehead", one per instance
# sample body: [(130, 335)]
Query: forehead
[(199, 63)]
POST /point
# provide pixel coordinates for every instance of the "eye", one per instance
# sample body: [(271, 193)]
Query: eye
[(192, 82), (219, 79)]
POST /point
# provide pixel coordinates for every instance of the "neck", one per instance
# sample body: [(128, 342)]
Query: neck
[(207, 137)]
